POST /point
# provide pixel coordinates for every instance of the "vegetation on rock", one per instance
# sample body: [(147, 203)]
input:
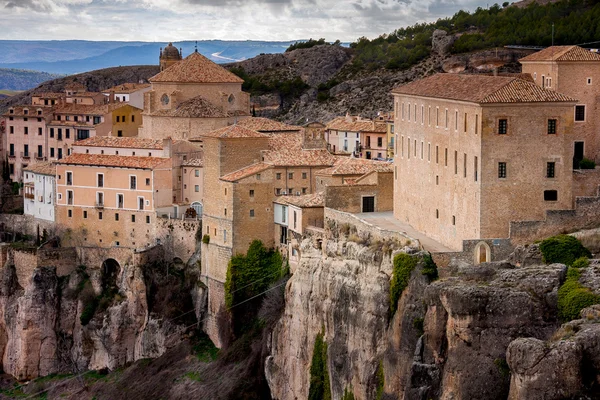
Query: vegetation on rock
[(306, 45), (581, 262), (348, 394), (257, 85), (574, 297), (430, 268), (563, 249), (319, 375), (20, 79), (380, 380), (206, 239), (404, 264)]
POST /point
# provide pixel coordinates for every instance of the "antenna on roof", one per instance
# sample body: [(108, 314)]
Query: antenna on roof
[(196, 47), (553, 34)]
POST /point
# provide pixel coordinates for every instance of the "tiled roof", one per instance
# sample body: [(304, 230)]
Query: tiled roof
[(83, 109), (42, 168), (196, 107), (299, 158), (194, 162), (234, 131), (267, 125), (104, 160), (562, 53), (356, 166), (349, 125), (86, 94), (303, 201), (287, 140), (481, 89), (49, 95), (18, 111), (127, 88), (245, 172), (121, 142), (196, 68)]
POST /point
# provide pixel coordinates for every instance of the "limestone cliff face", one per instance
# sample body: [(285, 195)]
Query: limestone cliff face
[(41, 330)]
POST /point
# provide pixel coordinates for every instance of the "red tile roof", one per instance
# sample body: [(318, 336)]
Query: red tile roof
[(267, 125), (480, 89), (103, 160), (126, 88), (303, 201), (18, 111), (562, 53), (234, 131), (121, 142), (351, 124), (196, 107), (245, 172), (194, 162), (88, 109), (356, 166), (196, 68), (42, 168)]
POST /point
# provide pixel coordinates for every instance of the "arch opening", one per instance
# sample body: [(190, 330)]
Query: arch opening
[(110, 271), (482, 253)]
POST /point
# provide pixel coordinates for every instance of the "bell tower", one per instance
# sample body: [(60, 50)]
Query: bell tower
[(169, 56)]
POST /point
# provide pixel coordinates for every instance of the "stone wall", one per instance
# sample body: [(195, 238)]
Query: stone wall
[(586, 182), (63, 258), (349, 197), (500, 249), (25, 224), (25, 263), (177, 236)]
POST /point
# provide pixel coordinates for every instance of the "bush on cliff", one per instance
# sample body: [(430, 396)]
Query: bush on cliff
[(574, 297), (403, 267), (563, 249), (320, 388), (430, 268)]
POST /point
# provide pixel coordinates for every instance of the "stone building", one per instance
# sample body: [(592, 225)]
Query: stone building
[(169, 56), (192, 96), (131, 93), (363, 138), (39, 190), (574, 71), (474, 153)]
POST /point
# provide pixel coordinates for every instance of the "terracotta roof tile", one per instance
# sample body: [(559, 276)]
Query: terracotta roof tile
[(267, 125), (49, 95), (104, 160), (83, 109), (234, 131), (351, 125), (196, 68), (356, 166), (19, 111), (194, 162), (299, 158), (126, 88), (562, 53), (245, 172), (303, 201), (121, 142), (42, 168), (480, 89), (287, 140), (196, 107)]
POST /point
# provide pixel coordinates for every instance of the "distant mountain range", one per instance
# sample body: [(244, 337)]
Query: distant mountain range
[(75, 56), (18, 79)]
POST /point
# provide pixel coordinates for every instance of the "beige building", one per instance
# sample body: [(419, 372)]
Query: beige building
[(474, 153), (191, 97), (574, 71), (39, 190), (131, 93)]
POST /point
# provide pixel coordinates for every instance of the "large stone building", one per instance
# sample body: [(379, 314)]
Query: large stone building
[(574, 71), (474, 153), (190, 97), (39, 190)]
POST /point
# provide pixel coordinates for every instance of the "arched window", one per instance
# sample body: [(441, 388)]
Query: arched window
[(198, 207), (164, 99), (231, 98), (482, 253)]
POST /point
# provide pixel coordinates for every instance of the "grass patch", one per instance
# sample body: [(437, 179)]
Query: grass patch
[(581, 262), (403, 267), (193, 376), (563, 249), (320, 388), (380, 378), (574, 297), (430, 268), (204, 349), (502, 366)]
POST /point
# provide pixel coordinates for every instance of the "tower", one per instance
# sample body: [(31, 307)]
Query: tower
[(169, 56)]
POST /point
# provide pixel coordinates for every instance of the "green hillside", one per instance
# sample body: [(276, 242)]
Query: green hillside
[(576, 22), (18, 79)]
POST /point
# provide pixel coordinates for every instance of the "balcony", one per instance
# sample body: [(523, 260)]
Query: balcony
[(39, 157), (11, 155), (25, 155), (99, 204), (29, 196)]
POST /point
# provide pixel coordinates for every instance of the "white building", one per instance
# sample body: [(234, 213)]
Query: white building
[(132, 93), (39, 186)]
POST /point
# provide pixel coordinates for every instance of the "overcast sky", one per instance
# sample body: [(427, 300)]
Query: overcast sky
[(175, 20)]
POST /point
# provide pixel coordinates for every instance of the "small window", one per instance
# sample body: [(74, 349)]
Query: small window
[(304, 175), (147, 219), (70, 213), (133, 218), (251, 193), (252, 213), (437, 213), (278, 176), (278, 191), (147, 181), (116, 216), (100, 215), (453, 220), (502, 126), (290, 175), (197, 188), (580, 113), (501, 170), (133, 182), (550, 169), (197, 173), (258, 177), (225, 212), (84, 214), (550, 195), (589, 81), (551, 127)]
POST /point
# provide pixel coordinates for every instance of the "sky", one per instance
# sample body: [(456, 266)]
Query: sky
[(176, 20)]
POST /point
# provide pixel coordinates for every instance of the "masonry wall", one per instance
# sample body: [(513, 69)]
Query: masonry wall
[(19, 139), (177, 237), (586, 182), (348, 198)]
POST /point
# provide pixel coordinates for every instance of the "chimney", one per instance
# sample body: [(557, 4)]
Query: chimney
[(496, 71), (167, 147)]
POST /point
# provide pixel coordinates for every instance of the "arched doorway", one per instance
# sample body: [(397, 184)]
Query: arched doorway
[(482, 253), (198, 207), (110, 272)]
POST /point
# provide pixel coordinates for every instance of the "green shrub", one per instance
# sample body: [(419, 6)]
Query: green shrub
[(563, 249), (430, 268), (586, 163), (403, 267), (319, 375), (419, 326), (206, 239), (380, 381), (503, 367), (305, 45), (581, 262), (574, 297), (322, 96)]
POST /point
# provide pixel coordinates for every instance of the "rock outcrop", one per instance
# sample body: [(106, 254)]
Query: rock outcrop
[(441, 42)]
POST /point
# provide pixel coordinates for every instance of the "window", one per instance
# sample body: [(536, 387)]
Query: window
[(453, 220), (304, 190), (100, 215), (85, 214), (147, 181), (437, 155), (580, 113), (147, 219), (39, 131), (252, 213), (304, 175), (258, 177), (118, 119), (437, 213), (476, 123), (501, 170), (119, 133), (69, 178), (120, 201), (133, 218), (589, 81), (133, 182), (446, 118), (12, 129), (455, 162), (197, 188), (465, 122), (476, 168), (140, 203), (421, 151), (26, 130), (465, 164), (100, 180), (379, 142), (456, 120), (550, 169), (52, 152), (446, 157), (70, 213), (291, 175), (133, 118), (12, 150), (551, 127), (68, 133), (502, 126), (40, 151), (278, 191), (550, 195), (225, 212), (251, 194), (11, 169), (428, 151), (116, 216), (278, 175)]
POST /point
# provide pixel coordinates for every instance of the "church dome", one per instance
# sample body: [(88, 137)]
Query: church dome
[(171, 52)]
